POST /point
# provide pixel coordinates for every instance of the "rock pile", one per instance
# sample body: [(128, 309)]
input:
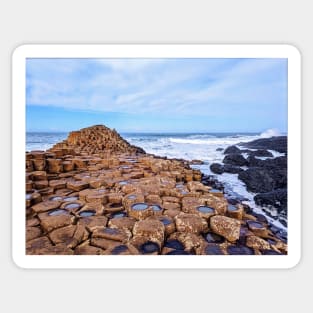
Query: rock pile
[(96, 194)]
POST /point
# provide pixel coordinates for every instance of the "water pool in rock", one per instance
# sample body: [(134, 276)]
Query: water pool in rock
[(139, 206), (87, 213), (57, 212), (205, 209), (149, 247)]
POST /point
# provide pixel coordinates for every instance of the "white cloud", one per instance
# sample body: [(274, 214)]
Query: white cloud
[(161, 86)]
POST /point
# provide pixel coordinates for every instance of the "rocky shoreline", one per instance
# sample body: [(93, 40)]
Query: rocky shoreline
[(262, 173), (95, 194)]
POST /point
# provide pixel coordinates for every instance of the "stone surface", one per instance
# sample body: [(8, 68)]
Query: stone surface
[(95, 194), (226, 227)]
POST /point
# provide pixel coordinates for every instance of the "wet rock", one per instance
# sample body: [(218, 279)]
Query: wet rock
[(123, 249), (227, 227), (235, 159), (278, 143), (232, 150), (276, 198), (217, 168), (260, 153), (239, 250)]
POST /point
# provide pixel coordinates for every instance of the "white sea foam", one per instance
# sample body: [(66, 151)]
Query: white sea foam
[(270, 133)]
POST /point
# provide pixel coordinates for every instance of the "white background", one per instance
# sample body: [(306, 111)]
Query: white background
[(154, 22)]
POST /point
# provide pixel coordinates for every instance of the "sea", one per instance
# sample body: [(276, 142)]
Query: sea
[(188, 146)]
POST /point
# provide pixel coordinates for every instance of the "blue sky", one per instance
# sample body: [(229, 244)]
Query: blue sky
[(155, 95)]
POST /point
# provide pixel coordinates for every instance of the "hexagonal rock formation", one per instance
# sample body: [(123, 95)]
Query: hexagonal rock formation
[(95, 194)]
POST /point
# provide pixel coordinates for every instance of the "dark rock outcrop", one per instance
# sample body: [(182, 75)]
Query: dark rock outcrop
[(232, 149), (274, 143), (276, 198), (235, 159)]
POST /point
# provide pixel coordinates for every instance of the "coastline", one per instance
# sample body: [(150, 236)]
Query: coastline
[(180, 192)]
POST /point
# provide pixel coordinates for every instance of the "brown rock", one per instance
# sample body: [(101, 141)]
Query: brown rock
[(93, 222), (255, 242), (86, 249), (33, 232), (77, 185), (190, 223), (151, 228), (116, 234), (122, 222), (226, 227), (70, 235), (36, 246), (45, 206), (54, 165), (59, 218)]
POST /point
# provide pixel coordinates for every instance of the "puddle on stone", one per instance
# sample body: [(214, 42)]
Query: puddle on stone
[(101, 190), (214, 238), (239, 250), (179, 186), (232, 208), (28, 196), (123, 183), (178, 252), (215, 190), (213, 250), (165, 221), (87, 213), (67, 199), (57, 212), (72, 206), (119, 249), (131, 197), (125, 167), (56, 198), (119, 215), (270, 252), (139, 206), (174, 244), (253, 224), (149, 247), (271, 242), (205, 209), (156, 208)]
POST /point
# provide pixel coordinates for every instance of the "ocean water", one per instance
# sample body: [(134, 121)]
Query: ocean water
[(189, 146)]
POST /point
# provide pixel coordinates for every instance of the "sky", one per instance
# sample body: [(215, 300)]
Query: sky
[(157, 95)]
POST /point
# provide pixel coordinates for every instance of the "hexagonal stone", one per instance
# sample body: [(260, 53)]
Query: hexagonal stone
[(226, 227), (46, 206), (190, 223)]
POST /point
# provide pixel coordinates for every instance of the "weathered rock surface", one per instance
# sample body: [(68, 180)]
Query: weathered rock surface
[(95, 194)]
